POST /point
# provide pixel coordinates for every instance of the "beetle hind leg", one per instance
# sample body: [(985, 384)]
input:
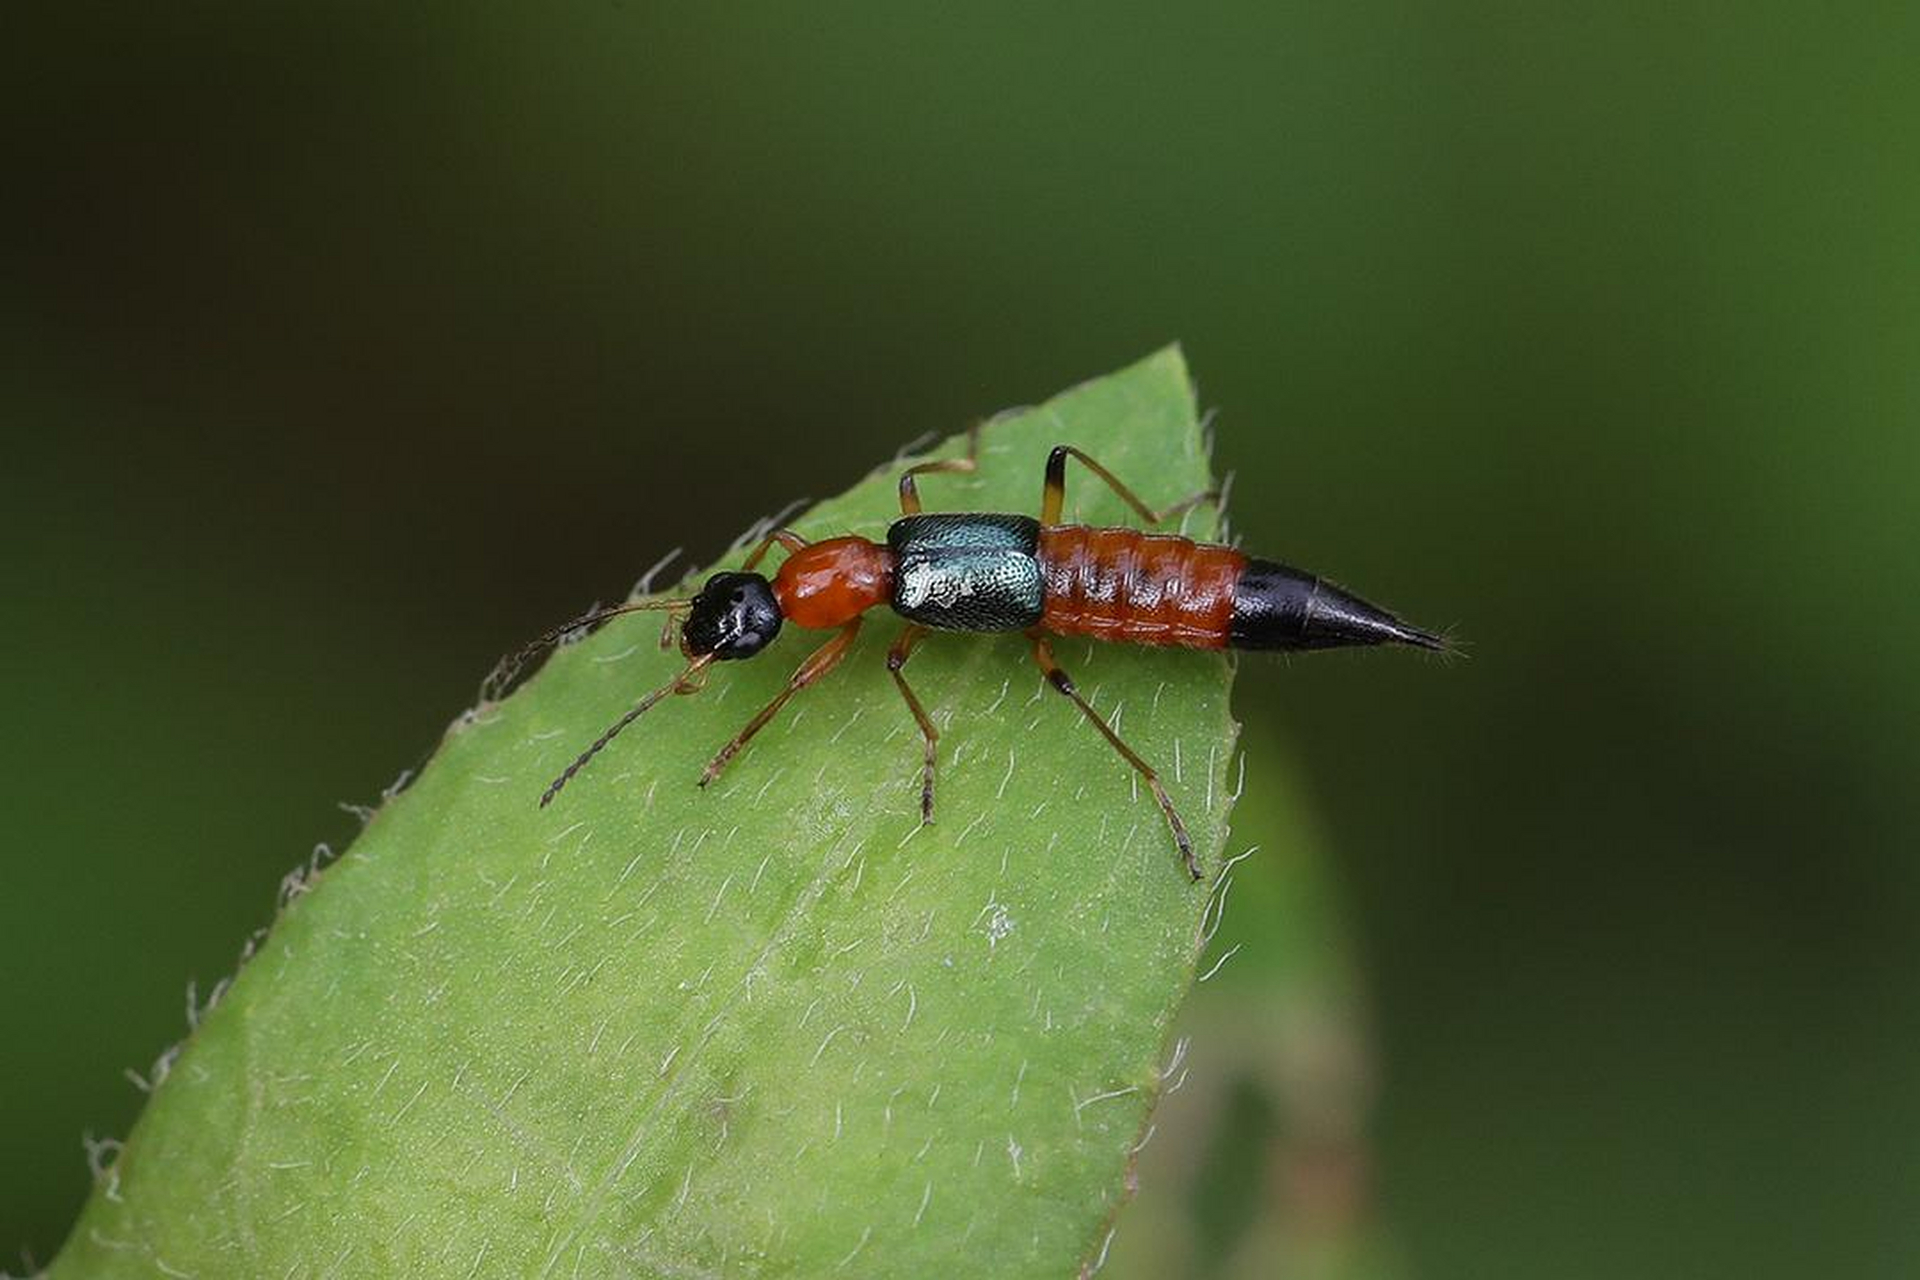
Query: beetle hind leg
[(1059, 679), (1053, 495)]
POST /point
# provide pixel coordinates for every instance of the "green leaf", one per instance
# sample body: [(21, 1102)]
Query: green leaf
[(774, 1027)]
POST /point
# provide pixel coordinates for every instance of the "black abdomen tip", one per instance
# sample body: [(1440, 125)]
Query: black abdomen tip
[(1278, 607)]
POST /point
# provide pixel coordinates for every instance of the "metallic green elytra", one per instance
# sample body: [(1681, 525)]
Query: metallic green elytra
[(968, 572)]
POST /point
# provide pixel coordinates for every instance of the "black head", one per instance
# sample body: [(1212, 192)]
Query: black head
[(734, 616)]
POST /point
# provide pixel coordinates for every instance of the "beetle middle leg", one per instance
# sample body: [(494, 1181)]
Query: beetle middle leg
[(818, 663), (1059, 679), (896, 659), (1054, 493), (910, 496)]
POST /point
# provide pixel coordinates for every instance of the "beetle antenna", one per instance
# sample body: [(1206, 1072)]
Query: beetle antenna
[(509, 667), (679, 684)]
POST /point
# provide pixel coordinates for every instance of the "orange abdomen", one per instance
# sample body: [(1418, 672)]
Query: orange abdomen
[(1138, 588)]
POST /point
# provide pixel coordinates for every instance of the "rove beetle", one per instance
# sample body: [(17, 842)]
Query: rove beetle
[(992, 572)]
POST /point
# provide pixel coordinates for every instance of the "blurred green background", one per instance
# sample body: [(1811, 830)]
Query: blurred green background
[(347, 346)]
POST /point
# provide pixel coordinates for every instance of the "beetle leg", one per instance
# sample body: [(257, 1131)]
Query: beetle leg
[(785, 537), (910, 496), (1059, 679), (1053, 494), (896, 659), (821, 661)]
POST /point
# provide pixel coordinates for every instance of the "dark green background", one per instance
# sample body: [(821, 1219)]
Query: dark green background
[(344, 349)]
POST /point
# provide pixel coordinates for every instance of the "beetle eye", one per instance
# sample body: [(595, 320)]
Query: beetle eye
[(739, 597)]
